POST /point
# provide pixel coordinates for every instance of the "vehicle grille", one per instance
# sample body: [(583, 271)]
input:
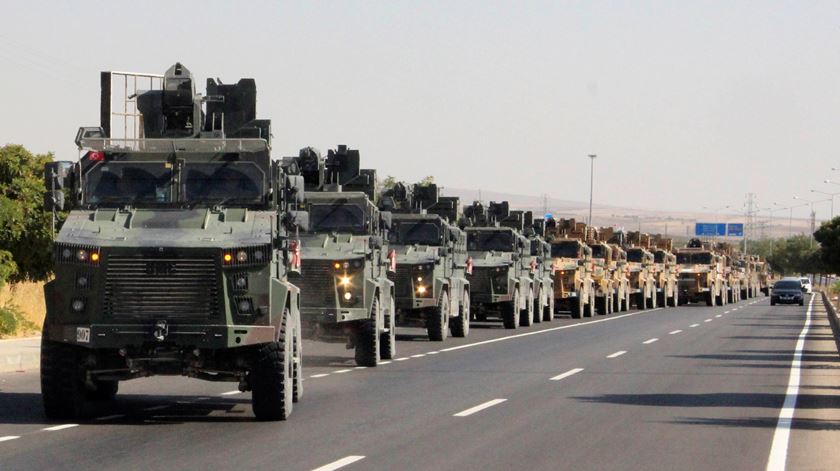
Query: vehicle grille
[(480, 279), (161, 288), (402, 280), (316, 283)]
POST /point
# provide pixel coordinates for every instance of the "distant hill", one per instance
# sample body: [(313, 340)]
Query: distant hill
[(673, 223)]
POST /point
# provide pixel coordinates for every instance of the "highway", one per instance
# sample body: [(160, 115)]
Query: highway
[(680, 388)]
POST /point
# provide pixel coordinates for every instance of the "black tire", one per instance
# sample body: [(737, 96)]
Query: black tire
[(719, 300), (510, 312), (537, 309), (601, 305), (388, 338), (271, 377), (437, 319), (710, 299), (626, 302), (460, 326), (589, 308), (616, 302), (802, 303), (660, 299), (576, 308), (367, 338), (62, 380), (641, 301), (103, 391), (772, 302), (526, 316), (548, 311)]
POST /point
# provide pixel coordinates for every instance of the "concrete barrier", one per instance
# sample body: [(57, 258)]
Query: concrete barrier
[(831, 311), (20, 355)]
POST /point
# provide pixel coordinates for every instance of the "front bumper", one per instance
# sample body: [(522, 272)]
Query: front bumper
[(333, 315), (408, 303), (178, 335)]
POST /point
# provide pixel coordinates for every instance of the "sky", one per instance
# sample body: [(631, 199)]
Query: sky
[(686, 104)]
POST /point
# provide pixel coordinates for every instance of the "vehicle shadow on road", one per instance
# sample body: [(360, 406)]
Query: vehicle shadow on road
[(27, 408), (329, 360), (763, 422), (740, 400), (779, 356)]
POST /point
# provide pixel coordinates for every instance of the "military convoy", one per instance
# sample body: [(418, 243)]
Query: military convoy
[(187, 250)]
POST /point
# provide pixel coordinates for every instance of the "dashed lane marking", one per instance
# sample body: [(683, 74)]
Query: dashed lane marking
[(674, 332), (9, 437), (230, 393), (480, 407), (401, 359), (339, 463), (694, 325), (341, 371), (59, 427), (419, 355), (708, 320), (365, 367), (320, 375), (650, 341), (617, 354), (566, 374), (718, 316), (384, 362), (110, 417)]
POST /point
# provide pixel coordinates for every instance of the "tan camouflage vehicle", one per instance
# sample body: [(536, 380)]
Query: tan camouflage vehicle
[(642, 271), (611, 285), (701, 276), (666, 271), (574, 289)]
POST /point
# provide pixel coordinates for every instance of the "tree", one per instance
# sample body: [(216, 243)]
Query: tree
[(388, 183), (793, 255), (429, 180), (828, 235), (25, 227)]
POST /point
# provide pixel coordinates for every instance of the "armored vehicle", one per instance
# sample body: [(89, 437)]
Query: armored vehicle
[(612, 288), (430, 282), (175, 256), (765, 277), (642, 278), (574, 289), (541, 268), (499, 285), (344, 256), (700, 275), (667, 271)]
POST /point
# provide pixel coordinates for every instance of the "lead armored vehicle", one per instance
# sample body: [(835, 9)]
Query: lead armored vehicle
[(174, 258), (701, 279), (345, 257), (499, 287), (430, 282)]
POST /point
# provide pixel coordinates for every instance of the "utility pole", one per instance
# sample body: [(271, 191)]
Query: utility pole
[(591, 183)]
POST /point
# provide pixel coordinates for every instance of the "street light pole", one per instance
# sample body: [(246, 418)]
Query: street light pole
[(591, 183), (830, 195)]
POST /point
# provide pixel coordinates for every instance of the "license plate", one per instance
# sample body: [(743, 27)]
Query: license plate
[(83, 334)]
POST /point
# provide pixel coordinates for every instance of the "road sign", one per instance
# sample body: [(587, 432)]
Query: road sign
[(548, 216), (735, 230), (709, 229)]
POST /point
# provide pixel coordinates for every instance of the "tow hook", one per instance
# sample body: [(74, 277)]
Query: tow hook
[(161, 331)]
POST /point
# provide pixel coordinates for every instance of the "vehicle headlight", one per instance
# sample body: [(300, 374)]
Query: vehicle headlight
[(246, 256), (77, 254), (78, 305)]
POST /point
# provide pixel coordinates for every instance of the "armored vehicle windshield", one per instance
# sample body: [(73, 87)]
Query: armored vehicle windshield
[(635, 255), (565, 249), (599, 251), (416, 232), (500, 240), (659, 256), (699, 258)]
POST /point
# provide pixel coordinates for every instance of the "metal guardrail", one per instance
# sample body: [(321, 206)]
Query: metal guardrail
[(831, 311)]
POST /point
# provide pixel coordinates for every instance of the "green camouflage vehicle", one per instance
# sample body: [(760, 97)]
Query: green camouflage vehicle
[(430, 283), (175, 254), (536, 264), (345, 258), (499, 286)]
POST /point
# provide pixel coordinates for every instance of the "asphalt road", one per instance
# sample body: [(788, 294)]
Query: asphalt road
[(686, 388)]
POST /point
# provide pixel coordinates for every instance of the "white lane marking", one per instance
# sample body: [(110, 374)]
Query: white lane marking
[(59, 427), (617, 354), (571, 372), (726, 312), (650, 341), (320, 375), (526, 334), (230, 393), (432, 353), (694, 325), (341, 371), (781, 437), (708, 320), (674, 332), (419, 355), (111, 417), (202, 398), (149, 409), (9, 437), (384, 362), (362, 367), (401, 359), (718, 316), (339, 463), (478, 408)]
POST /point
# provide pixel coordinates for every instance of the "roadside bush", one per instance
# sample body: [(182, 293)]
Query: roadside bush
[(8, 320)]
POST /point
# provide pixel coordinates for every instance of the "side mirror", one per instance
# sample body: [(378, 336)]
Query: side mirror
[(375, 242), (54, 200), (58, 175), (294, 188), (299, 220)]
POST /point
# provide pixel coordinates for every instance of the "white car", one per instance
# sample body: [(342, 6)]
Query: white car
[(806, 284)]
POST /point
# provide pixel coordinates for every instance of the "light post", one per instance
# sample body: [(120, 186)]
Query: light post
[(811, 203), (591, 182), (831, 196)]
